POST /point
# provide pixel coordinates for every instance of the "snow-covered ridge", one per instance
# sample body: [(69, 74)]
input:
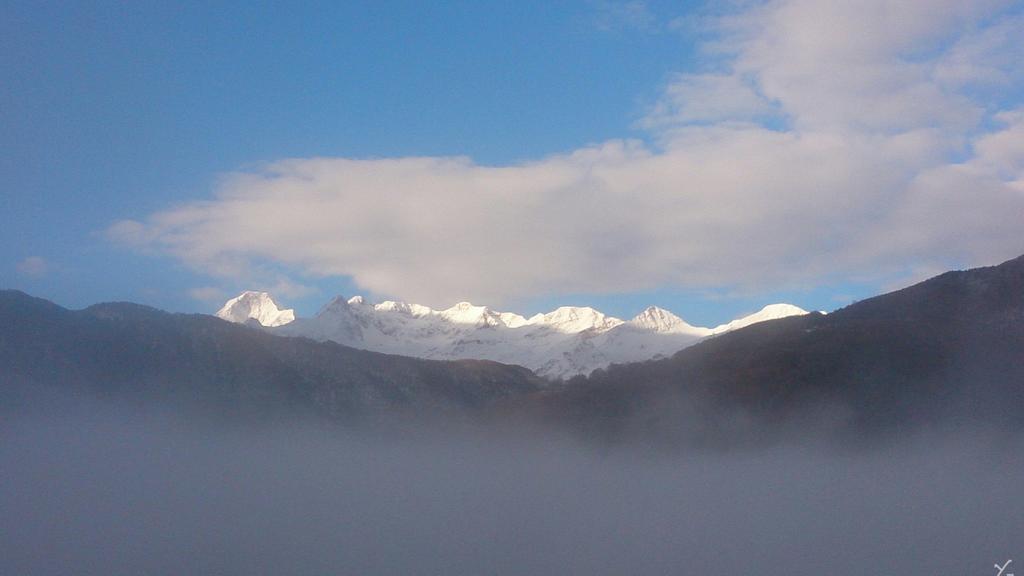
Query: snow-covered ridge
[(770, 312), (258, 306), (664, 322), (573, 319), (559, 344)]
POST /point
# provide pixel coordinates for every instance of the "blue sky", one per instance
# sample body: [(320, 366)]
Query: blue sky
[(136, 114)]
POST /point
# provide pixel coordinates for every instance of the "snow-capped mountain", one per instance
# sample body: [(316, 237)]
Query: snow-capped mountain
[(258, 306), (770, 312), (562, 343), (664, 322)]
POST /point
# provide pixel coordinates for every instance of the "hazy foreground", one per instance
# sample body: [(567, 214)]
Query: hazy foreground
[(883, 438), (99, 490)]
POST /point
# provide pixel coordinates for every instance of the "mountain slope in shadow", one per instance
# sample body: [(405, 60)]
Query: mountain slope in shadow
[(130, 352), (946, 352)]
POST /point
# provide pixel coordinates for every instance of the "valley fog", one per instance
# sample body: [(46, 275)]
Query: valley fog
[(106, 490)]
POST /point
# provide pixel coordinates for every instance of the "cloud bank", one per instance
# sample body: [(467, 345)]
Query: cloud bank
[(107, 491), (33, 267), (823, 142)]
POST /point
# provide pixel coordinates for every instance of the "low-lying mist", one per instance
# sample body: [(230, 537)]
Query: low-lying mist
[(109, 491)]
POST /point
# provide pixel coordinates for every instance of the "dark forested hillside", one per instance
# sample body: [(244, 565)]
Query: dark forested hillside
[(133, 352), (947, 351)]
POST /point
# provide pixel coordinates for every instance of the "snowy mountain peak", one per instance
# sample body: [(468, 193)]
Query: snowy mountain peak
[(258, 306), (773, 311), (392, 306), (337, 305), (467, 313), (769, 312), (564, 342), (573, 319), (512, 320), (665, 322), (404, 308)]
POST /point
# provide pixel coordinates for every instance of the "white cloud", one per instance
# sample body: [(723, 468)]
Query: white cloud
[(990, 56), (883, 166), (866, 65), (706, 98), (1002, 151), (33, 267)]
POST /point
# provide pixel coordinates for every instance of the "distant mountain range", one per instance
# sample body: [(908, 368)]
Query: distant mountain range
[(948, 352), (127, 351), (563, 343)]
